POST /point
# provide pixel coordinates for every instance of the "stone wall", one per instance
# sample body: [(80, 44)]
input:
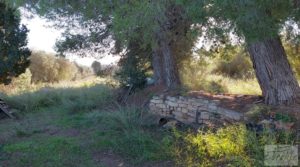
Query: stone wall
[(192, 109)]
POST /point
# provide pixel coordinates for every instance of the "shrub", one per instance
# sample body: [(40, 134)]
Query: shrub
[(103, 70), (238, 66), (230, 146), (96, 66), (47, 68), (67, 70), (21, 83)]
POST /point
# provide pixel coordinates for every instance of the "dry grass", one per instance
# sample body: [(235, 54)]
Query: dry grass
[(26, 87)]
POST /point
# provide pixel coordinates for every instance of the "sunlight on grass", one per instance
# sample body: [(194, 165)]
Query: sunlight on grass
[(229, 146), (15, 89), (237, 86)]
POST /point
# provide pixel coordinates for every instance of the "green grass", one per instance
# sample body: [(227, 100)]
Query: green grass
[(230, 146), (66, 127), (48, 152)]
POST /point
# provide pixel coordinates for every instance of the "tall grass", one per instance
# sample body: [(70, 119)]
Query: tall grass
[(74, 99), (130, 133)]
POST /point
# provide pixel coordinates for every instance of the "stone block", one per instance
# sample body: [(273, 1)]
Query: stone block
[(172, 104), (192, 113), (156, 98), (173, 99), (182, 105), (192, 108), (162, 106), (191, 119), (212, 107), (177, 114), (156, 101), (216, 101), (233, 115), (205, 115), (184, 110), (185, 116), (181, 98)]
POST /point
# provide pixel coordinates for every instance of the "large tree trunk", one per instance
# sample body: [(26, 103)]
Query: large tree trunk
[(273, 71), (171, 75), (157, 65)]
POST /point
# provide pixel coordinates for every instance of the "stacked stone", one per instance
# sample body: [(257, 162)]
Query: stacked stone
[(190, 109)]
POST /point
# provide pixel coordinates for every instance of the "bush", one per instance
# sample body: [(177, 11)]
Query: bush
[(21, 83), (230, 146), (67, 70), (96, 66), (47, 68), (238, 66), (103, 70)]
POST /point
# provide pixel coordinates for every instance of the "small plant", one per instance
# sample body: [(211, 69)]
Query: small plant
[(283, 117)]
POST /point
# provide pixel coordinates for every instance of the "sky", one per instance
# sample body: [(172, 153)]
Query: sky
[(43, 37)]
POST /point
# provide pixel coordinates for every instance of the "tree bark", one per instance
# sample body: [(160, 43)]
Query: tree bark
[(164, 64), (171, 75), (157, 67), (273, 71)]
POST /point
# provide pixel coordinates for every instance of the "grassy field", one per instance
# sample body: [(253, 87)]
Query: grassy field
[(73, 126), (78, 124)]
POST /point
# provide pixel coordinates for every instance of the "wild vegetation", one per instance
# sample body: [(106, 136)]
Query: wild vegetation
[(70, 115)]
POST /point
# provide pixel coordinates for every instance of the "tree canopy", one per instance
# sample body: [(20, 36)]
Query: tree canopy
[(13, 40), (169, 29)]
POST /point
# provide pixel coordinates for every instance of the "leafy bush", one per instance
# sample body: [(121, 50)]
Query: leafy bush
[(238, 66), (96, 66), (47, 68), (134, 66), (103, 70)]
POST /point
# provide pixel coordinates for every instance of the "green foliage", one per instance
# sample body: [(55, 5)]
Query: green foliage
[(13, 40), (233, 62), (103, 70), (231, 146), (134, 65), (47, 68), (96, 66), (219, 71), (253, 20)]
